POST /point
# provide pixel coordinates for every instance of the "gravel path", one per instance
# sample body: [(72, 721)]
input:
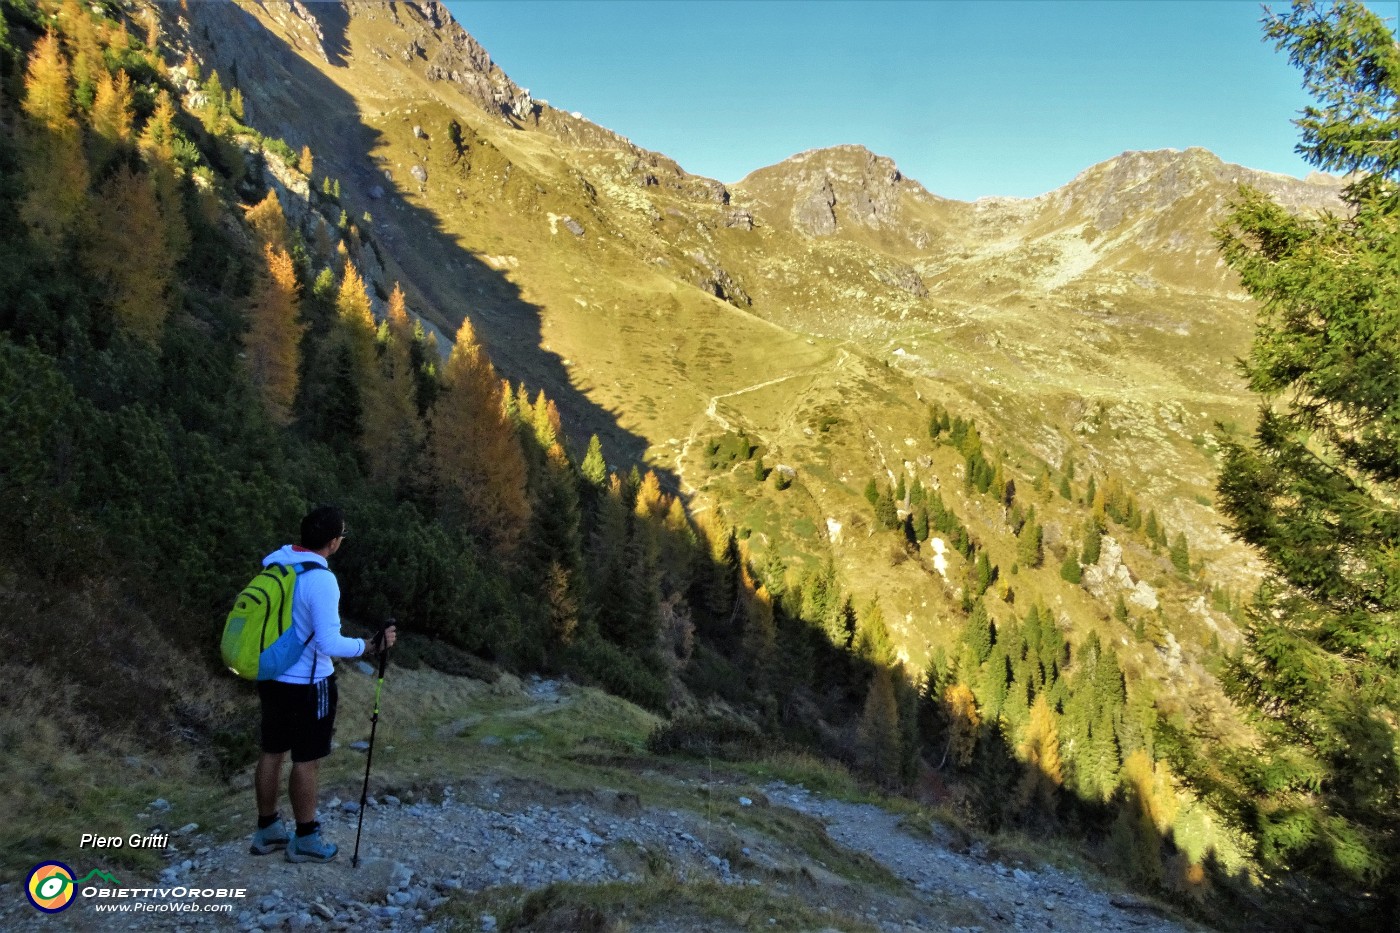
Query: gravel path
[(496, 832), (1015, 899)]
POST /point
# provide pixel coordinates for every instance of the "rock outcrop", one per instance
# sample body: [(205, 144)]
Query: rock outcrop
[(1110, 576), (815, 214)]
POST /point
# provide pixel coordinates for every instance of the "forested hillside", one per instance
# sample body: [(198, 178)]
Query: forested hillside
[(201, 340)]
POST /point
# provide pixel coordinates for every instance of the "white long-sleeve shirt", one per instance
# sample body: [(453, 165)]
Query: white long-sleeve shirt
[(315, 617)]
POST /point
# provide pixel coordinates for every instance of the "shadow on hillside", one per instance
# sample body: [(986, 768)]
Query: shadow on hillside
[(288, 97), (335, 23)]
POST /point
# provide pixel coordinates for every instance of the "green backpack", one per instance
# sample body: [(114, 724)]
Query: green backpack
[(259, 642)]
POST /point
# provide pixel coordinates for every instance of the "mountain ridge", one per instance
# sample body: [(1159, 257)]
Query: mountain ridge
[(1054, 308)]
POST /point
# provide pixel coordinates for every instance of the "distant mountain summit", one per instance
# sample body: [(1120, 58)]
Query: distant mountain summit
[(1095, 321)]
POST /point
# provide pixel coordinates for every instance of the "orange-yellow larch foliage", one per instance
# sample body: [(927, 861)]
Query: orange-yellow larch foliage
[(677, 522), (56, 172), (157, 144), (650, 500), (393, 432), (136, 280), (510, 407), (964, 723), (269, 223), (1040, 751), (274, 335), (545, 420), (1151, 784), (759, 635), (158, 135), (322, 240), (48, 92), (353, 310), (153, 31), (477, 463), (561, 606), (356, 329), (878, 733), (80, 31), (716, 531), (400, 324), (111, 115)]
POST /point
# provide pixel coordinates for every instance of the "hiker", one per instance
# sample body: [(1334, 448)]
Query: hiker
[(298, 707)]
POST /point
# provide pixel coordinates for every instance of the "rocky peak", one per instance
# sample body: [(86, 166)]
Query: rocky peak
[(839, 183), (452, 54), (1136, 184)]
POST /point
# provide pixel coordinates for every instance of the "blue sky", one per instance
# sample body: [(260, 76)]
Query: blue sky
[(995, 97)]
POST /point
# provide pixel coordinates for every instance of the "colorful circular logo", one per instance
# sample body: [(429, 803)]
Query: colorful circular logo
[(50, 887)]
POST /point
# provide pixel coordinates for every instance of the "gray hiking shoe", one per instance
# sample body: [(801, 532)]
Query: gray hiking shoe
[(270, 839), (310, 848)]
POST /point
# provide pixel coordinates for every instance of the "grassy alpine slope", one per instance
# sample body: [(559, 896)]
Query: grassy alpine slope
[(931, 522), (1068, 326)]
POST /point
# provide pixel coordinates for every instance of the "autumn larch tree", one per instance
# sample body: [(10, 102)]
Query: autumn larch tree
[(56, 172), (477, 464), (1040, 752), (136, 280), (274, 334), (878, 736)]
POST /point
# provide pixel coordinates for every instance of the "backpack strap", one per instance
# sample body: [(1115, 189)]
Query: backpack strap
[(299, 570), (304, 568)]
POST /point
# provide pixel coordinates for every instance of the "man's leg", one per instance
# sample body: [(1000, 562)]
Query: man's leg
[(302, 788), (270, 834), (266, 781), (313, 743)]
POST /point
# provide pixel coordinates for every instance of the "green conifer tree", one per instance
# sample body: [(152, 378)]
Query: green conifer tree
[(1029, 551), (920, 524), (1180, 554), (1315, 491), (978, 635), (1152, 529), (984, 575), (1093, 542), (872, 638), (1070, 571), (885, 513), (594, 468)]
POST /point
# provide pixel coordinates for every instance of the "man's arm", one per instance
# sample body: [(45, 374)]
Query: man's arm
[(324, 606)]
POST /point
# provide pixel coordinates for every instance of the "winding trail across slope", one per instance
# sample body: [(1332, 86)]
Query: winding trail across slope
[(712, 413)]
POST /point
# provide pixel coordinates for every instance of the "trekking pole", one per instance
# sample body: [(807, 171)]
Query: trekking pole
[(373, 723)]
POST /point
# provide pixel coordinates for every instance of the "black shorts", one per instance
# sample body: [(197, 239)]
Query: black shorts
[(298, 718)]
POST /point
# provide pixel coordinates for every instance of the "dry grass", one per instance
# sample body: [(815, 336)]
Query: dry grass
[(103, 715)]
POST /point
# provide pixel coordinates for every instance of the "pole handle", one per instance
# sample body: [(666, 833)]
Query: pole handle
[(384, 648)]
